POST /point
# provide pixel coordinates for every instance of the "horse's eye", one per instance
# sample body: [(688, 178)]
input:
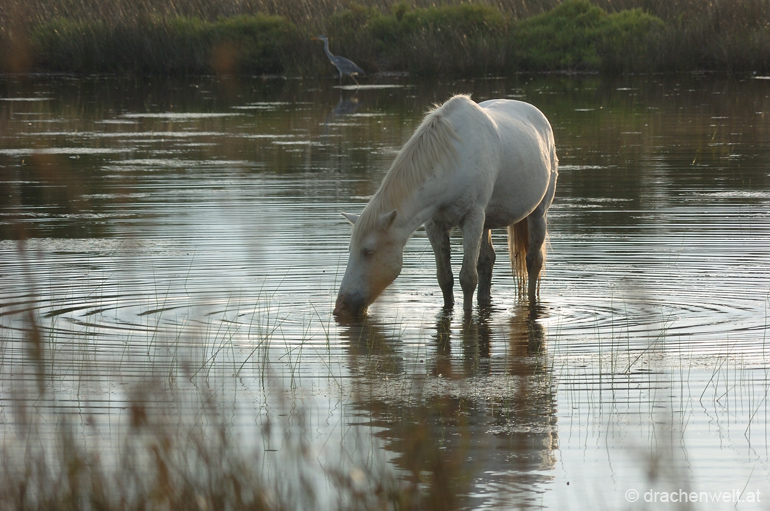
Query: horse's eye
[(366, 252)]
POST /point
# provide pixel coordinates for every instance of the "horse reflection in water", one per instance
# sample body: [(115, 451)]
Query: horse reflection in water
[(462, 425), (477, 166)]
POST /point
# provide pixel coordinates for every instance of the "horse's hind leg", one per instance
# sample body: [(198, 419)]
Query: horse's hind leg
[(473, 228), (535, 254), (486, 263), (439, 240)]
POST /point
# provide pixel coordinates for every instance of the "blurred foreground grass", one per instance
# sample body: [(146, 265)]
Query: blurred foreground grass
[(159, 427)]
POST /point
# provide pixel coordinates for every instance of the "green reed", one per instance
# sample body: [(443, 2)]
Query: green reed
[(419, 37)]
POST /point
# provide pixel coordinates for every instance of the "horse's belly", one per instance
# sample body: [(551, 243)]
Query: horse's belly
[(505, 205), (509, 205), (498, 217)]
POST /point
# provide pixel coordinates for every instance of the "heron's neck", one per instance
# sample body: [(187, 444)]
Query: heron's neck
[(326, 49)]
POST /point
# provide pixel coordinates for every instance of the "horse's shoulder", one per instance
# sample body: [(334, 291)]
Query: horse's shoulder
[(459, 104), (454, 102), (465, 114)]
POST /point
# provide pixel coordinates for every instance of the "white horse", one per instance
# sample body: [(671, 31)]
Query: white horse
[(477, 166)]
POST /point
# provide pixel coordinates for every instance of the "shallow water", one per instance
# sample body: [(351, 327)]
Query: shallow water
[(192, 228)]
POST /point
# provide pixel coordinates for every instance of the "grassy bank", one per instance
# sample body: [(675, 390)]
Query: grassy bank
[(451, 38)]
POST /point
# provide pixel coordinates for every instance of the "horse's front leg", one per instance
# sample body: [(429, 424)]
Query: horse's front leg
[(439, 240), (473, 228), (486, 263)]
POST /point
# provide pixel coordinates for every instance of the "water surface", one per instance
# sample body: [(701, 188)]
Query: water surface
[(191, 229)]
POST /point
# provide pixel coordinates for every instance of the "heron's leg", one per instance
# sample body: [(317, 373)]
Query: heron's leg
[(439, 240), (473, 228), (486, 263), (535, 254)]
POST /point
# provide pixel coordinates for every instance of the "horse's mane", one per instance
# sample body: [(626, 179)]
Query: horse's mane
[(430, 145)]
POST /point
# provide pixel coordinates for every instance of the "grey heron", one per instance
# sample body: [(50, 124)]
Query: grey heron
[(343, 65)]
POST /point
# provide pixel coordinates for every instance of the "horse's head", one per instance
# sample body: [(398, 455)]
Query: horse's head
[(376, 253)]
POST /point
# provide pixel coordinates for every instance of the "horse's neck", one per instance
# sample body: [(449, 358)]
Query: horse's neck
[(419, 207), (418, 217)]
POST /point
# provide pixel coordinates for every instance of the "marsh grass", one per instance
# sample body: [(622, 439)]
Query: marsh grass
[(158, 424), (246, 44), (422, 38), (174, 445)]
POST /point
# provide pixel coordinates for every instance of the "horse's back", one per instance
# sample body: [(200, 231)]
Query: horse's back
[(503, 162), (518, 115), (527, 164), (516, 128), (469, 119)]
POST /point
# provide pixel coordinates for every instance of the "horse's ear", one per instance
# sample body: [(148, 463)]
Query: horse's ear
[(350, 217), (386, 220)]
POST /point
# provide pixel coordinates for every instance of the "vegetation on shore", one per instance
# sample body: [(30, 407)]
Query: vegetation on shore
[(421, 38)]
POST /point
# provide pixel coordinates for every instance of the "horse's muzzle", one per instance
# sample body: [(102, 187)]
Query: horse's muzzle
[(347, 306)]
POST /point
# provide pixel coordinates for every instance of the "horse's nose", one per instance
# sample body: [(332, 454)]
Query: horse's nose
[(346, 306), (341, 309)]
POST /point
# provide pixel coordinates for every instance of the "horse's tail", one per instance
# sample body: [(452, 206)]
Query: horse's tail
[(518, 245)]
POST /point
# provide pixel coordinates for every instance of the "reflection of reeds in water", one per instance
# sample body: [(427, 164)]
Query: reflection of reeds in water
[(662, 389)]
